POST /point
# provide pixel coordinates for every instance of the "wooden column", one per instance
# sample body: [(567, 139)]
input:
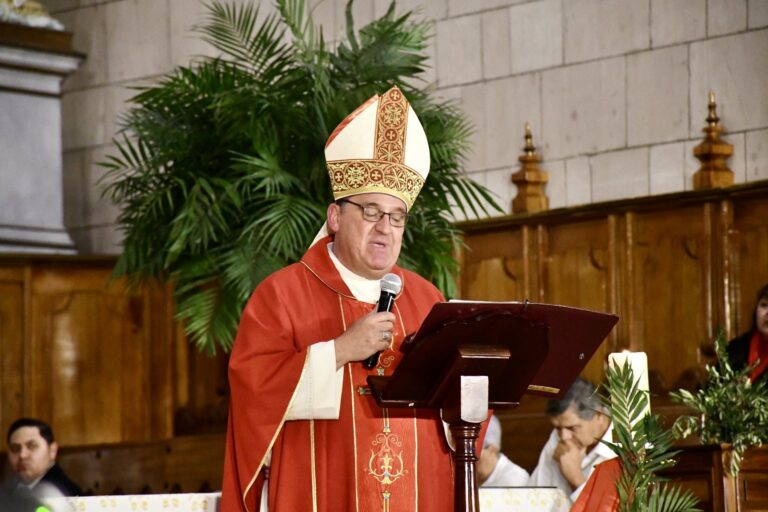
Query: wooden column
[(466, 492)]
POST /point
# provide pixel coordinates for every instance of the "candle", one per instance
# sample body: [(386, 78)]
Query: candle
[(638, 361)]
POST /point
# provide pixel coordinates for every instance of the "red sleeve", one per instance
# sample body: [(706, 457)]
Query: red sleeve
[(600, 493), (264, 370)]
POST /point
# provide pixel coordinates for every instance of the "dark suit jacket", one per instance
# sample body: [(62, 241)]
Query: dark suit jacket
[(15, 497), (56, 477)]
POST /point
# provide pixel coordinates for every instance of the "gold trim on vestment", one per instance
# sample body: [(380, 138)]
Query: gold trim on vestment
[(352, 402), (386, 464), (277, 431), (385, 172), (391, 127), (312, 462), (351, 177), (334, 290), (416, 461)]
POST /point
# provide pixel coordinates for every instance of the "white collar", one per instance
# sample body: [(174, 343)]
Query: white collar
[(601, 450), (364, 290)]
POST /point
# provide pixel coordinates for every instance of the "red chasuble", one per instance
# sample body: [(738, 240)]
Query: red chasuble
[(600, 493), (370, 459), (758, 350)]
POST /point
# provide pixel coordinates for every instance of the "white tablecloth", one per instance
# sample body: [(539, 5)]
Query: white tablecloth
[(523, 499), (519, 499), (199, 502)]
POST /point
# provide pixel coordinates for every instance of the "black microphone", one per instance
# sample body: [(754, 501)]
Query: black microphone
[(390, 287)]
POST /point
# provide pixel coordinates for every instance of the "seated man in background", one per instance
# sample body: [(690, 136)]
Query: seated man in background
[(494, 469), (574, 447), (32, 455)]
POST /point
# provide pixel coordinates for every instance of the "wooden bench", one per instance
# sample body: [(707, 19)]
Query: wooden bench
[(701, 469), (180, 464)]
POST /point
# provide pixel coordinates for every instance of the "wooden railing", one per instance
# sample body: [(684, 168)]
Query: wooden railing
[(181, 464), (702, 470)]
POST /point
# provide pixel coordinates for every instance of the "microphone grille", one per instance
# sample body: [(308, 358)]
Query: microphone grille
[(391, 283)]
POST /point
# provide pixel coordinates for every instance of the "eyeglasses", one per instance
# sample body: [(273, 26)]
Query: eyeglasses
[(374, 214)]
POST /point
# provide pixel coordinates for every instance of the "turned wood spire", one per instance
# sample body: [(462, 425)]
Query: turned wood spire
[(530, 180), (712, 153)]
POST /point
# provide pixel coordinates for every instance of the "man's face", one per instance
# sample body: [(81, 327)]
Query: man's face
[(369, 249), (761, 316), (584, 433), (30, 454)]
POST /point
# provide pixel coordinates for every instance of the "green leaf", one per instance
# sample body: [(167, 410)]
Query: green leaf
[(731, 409), (643, 448), (219, 169)]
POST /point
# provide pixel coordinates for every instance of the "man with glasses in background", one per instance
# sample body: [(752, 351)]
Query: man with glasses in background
[(304, 431)]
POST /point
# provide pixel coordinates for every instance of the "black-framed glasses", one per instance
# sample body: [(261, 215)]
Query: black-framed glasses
[(374, 214)]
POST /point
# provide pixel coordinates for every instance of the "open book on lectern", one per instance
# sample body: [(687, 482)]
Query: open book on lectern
[(522, 347)]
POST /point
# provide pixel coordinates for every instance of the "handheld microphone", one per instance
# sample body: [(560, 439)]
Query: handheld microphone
[(390, 287)]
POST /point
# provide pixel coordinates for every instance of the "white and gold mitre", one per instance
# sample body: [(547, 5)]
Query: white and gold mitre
[(380, 147)]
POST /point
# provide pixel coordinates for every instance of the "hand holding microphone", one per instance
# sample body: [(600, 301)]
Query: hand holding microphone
[(371, 334), (390, 287)]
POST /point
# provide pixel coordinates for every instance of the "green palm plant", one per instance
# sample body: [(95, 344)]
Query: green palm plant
[(220, 174), (730, 408), (643, 447)]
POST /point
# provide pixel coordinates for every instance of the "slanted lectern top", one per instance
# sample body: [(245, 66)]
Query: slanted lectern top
[(518, 347)]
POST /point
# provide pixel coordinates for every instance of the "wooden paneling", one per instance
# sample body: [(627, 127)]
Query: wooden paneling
[(671, 264), (752, 484), (498, 275), (673, 267), (578, 272), (748, 242), (702, 470), (11, 349), (180, 464), (91, 355), (98, 362)]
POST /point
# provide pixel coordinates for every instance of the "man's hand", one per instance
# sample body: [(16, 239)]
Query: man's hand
[(486, 463), (365, 337), (569, 455)]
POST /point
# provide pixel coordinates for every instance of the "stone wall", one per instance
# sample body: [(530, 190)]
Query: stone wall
[(615, 90)]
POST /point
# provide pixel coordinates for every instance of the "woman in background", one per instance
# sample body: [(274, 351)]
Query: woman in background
[(753, 345)]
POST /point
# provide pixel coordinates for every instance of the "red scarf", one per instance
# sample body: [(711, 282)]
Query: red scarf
[(758, 349)]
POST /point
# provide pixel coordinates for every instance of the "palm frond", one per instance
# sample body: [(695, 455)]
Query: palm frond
[(643, 447), (219, 169), (731, 409)]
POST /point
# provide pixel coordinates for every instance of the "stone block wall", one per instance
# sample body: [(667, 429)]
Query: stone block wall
[(615, 90)]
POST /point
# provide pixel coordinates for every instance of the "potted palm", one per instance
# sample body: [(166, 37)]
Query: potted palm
[(220, 174), (730, 410), (643, 448)]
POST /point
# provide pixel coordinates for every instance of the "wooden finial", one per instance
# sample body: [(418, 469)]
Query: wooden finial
[(529, 148), (712, 118), (530, 180), (712, 153)]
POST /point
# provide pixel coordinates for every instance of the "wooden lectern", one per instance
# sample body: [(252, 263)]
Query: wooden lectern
[(467, 356)]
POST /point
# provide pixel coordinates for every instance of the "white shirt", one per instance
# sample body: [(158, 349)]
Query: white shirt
[(547, 472), (506, 474)]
